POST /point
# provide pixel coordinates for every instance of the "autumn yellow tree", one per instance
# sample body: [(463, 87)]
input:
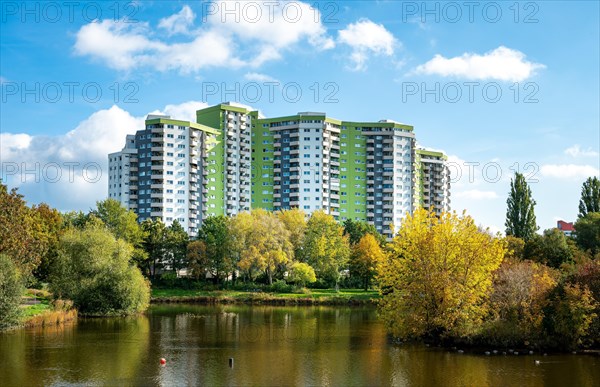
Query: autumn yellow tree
[(366, 254), (294, 221), (518, 298), (435, 281), (261, 241)]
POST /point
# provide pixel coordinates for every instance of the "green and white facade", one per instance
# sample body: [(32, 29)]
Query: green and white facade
[(240, 160)]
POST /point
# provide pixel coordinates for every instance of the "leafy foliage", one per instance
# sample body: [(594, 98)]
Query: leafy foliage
[(570, 314), (215, 235), (326, 248), (366, 255), (520, 216), (587, 231), (590, 197), (11, 288), (93, 269), (438, 275), (301, 273), (356, 229), (519, 296), (261, 241), (23, 236)]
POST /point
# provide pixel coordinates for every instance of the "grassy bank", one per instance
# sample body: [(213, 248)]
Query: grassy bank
[(39, 310), (306, 297)]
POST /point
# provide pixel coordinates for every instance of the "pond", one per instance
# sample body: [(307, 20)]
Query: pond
[(337, 346)]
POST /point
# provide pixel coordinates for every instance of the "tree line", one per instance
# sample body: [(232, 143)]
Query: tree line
[(440, 278)]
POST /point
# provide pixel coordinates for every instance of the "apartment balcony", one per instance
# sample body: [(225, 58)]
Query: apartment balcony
[(158, 158), (277, 136), (193, 188), (243, 118), (194, 144), (205, 172), (229, 116), (370, 214), (193, 196), (370, 207), (295, 143), (295, 134), (277, 178), (388, 190), (335, 196), (204, 199), (229, 125), (156, 195), (294, 203), (156, 214), (133, 197), (157, 130)]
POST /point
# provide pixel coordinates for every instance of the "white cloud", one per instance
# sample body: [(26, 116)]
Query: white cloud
[(220, 42), (502, 64), (569, 171), (178, 23), (576, 151), (185, 111), (258, 77), (476, 194), (365, 38), (87, 145)]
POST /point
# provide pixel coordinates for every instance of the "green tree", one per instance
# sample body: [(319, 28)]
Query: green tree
[(551, 248), (215, 235), (120, 221), (570, 315), (22, 234), (155, 246), (437, 277), (94, 270), (515, 248), (590, 197), (51, 227), (301, 273), (197, 258), (356, 229), (587, 232), (520, 216), (11, 289), (123, 224), (366, 255), (326, 248), (176, 245)]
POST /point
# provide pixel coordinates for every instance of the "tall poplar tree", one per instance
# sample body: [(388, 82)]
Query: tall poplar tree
[(590, 197), (520, 216)]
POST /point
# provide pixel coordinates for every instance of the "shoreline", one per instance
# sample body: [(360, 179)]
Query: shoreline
[(264, 298)]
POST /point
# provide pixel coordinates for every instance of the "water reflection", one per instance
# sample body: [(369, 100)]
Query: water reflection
[(269, 345)]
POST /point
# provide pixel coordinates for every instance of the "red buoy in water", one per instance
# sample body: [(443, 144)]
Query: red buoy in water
[(163, 361)]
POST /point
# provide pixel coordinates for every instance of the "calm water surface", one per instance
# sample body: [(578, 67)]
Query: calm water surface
[(334, 346)]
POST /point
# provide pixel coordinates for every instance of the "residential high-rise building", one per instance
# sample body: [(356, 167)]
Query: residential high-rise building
[(234, 159), (229, 158), (160, 171), (432, 181)]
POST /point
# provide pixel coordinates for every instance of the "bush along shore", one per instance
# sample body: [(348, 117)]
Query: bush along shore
[(39, 310)]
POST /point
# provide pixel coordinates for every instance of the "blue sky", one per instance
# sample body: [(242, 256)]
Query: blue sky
[(498, 86)]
